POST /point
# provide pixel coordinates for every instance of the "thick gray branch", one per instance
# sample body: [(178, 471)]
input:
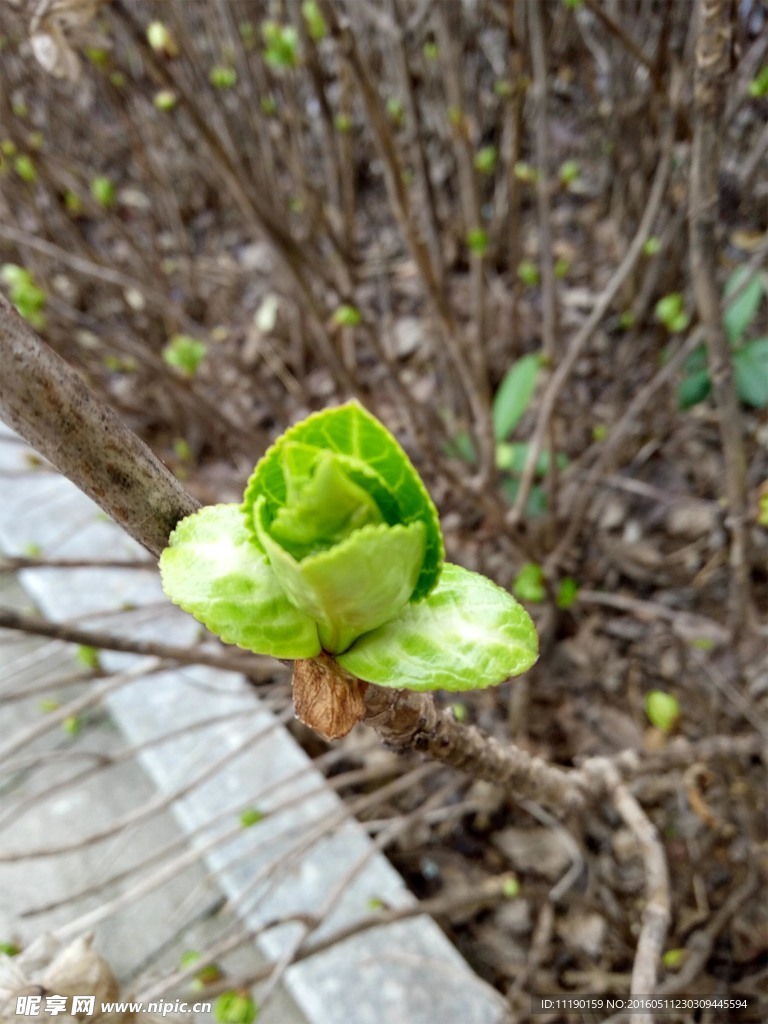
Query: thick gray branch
[(45, 401)]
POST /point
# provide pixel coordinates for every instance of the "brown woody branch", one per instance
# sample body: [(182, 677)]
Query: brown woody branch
[(713, 46)]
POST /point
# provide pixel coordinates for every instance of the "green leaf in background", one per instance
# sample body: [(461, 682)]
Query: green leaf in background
[(315, 22), (750, 367), (514, 395), (213, 570), (693, 389), (739, 313), (662, 709), (185, 354), (513, 456), (535, 506), (467, 634), (567, 593), (529, 583)]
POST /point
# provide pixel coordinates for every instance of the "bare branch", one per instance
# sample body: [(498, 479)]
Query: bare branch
[(45, 401)]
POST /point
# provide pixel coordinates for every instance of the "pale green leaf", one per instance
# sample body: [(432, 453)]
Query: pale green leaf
[(751, 371), (213, 570), (514, 395), (468, 634), (740, 312)]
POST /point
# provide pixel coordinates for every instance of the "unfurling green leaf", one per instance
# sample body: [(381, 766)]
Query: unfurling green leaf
[(337, 547), (213, 570)]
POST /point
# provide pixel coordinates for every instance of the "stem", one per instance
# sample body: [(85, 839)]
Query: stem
[(45, 401), (713, 40)]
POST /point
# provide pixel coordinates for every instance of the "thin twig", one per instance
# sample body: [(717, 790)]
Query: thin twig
[(657, 910), (184, 654)]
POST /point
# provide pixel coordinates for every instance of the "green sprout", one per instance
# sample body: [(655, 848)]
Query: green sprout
[(431, 50), (222, 77), (529, 584), (569, 172), (477, 241), (528, 273), (742, 297), (567, 593), (525, 173), (485, 159), (185, 354), (758, 87), (24, 166), (343, 123), (250, 817), (670, 311), (165, 99), (248, 34), (347, 316), (9, 948), (235, 1007), (395, 110), (72, 725), (315, 22), (674, 958), (652, 246), (281, 45), (337, 551), (26, 295), (161, 40), (561, 268), (208, 974), (103, 191), (662, 709), (88, 656), (511, 887)]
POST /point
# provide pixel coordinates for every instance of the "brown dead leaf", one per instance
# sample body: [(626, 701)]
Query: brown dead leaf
[(327, 699)]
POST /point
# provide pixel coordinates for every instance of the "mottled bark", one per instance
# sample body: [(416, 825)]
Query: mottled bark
[(405, 720), (46, 402)]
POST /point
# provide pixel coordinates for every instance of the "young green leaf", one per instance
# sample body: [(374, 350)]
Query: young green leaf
[(750, 367), (370, 457), (693, 389), (213, 570), (466, 635), (740, 312), (185, 354), (514, 395), (529, 583), (662, 709)]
